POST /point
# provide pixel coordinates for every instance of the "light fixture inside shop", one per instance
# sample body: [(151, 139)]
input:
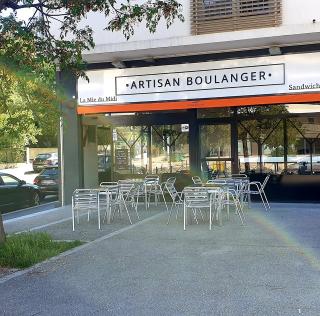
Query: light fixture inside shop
[(118, 64), (275, 50), (149, 60)]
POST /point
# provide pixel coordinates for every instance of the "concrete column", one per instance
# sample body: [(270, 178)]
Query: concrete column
[(90, 156), (194, 141), (70, 138)]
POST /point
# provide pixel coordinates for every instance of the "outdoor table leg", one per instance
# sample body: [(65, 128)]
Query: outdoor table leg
[(108, 211), (219, 215), (145, 197), (184, 216), (228, 205)]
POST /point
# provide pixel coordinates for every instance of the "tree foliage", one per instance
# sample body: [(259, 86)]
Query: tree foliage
[(66, 47), (27, 110)]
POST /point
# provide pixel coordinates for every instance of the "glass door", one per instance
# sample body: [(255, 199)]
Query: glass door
[(215, 149)]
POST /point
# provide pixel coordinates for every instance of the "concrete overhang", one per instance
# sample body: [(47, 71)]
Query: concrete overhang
[(205, 44)]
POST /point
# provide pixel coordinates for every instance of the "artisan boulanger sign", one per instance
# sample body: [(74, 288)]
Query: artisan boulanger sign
[(201, 80), (220, 79)]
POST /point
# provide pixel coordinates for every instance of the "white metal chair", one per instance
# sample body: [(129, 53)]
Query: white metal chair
[(232, 195), (257, 188), (176, 197), (197, 180), (108, 199), (197, 198), (85, 200), (128, 195), (154, 189)]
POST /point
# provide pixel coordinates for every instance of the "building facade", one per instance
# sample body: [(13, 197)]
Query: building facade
[(233, 89)]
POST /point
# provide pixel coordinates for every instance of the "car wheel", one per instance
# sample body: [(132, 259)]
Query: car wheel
[(35, 199)]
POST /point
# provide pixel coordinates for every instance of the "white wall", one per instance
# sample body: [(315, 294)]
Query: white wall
[(300, 11), (98, 22), (294, 12)]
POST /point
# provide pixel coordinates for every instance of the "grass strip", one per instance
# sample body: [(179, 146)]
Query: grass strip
[(25, 250)]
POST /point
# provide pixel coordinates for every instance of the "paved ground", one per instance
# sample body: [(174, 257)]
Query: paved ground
[(269, 267)]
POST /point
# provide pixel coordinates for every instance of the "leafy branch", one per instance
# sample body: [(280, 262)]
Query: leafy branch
[(65, 46)]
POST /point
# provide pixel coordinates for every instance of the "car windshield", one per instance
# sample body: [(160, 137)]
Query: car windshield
[(50, 172), (43, 156)]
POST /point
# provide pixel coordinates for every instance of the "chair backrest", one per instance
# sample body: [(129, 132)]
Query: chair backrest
[(196, 180), (171, 180), (126, 189), (85, 198), (108, 195), (173, 192), (195, 196), (217, 181), (266, 179), (239, 175), (107, 184), (125, 186), (151, 177)]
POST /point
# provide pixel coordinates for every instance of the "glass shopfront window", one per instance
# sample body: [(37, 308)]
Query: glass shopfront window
[(140, 150), (281, 139), (130, 150), (215, 152), (170, 149), (261, 146), (304, 145)]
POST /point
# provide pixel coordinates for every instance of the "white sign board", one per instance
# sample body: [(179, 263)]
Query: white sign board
[(184, 128), (114, 135), (220, 79)]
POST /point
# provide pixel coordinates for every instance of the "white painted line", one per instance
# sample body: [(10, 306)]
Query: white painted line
[(28, 208), (12, 220), (49, 224), (52, 223), (77, 249)]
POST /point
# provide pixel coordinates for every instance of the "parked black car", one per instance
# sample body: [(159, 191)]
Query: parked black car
[(16, 193), (48, 181), (45, 160)]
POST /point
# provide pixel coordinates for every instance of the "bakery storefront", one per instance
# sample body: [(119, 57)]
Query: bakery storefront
[(254, 115)]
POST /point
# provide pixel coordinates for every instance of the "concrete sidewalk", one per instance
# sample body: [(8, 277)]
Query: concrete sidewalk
[(269, 267)]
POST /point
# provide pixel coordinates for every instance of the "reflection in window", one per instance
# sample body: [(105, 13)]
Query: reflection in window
[(216, 149), (304, 146), (170, 149), (279, 139), (303, 108), (261, 146), (130, 150), (139, 150), (214, 112)]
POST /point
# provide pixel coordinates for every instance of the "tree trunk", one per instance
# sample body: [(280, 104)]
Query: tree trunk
[(2, 233), (245, 154)]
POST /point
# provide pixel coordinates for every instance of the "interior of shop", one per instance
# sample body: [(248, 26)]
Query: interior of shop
[(281, 140)]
